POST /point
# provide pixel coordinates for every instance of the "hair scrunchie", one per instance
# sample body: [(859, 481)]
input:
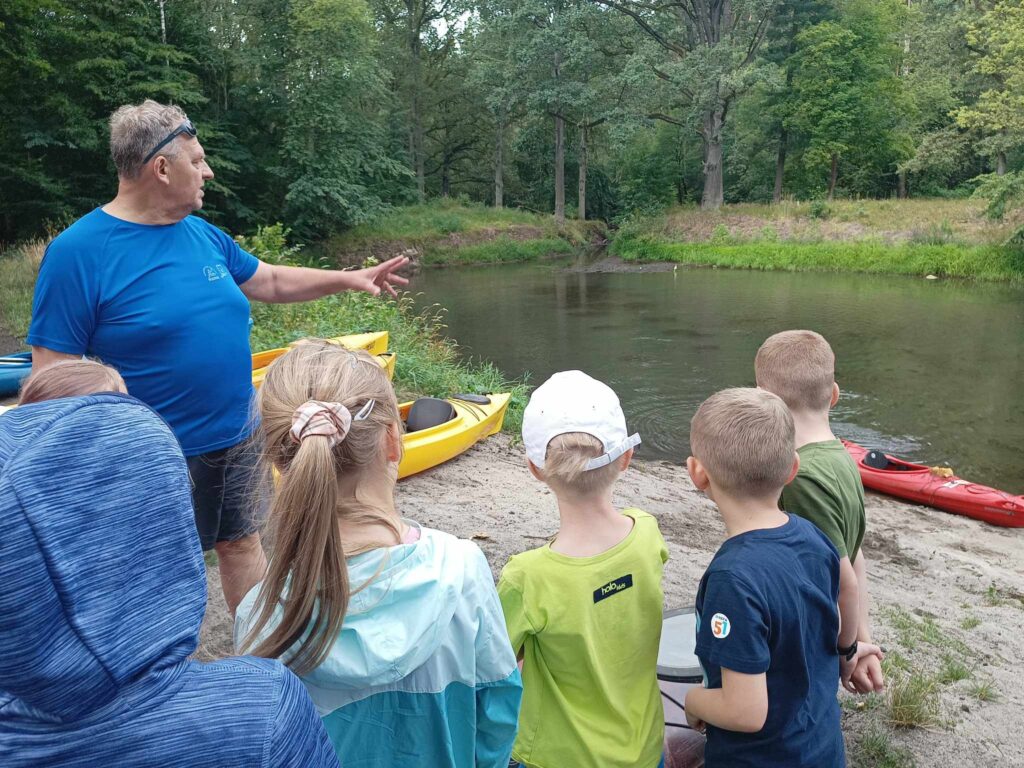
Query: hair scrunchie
[(313, 417)]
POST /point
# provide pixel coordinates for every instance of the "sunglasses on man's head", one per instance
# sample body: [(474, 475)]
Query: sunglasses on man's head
[(185, 128)]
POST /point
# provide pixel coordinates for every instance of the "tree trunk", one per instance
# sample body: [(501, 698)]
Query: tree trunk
[(559, 150), (833, 177), (559, 169), (499, 167), (446, 180), (415, 113), (901, 185), (1001, 164), (713, 196), (582, 213), (780, 166)]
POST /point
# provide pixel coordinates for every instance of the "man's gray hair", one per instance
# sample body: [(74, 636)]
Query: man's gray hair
[(136, 128)]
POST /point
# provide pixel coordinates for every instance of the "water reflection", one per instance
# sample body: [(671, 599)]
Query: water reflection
[(929, 370)]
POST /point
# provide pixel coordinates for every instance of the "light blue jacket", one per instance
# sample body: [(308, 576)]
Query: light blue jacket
[(102, 591), (421, 673)]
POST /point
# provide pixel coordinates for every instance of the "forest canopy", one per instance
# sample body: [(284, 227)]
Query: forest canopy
[(324, 113)]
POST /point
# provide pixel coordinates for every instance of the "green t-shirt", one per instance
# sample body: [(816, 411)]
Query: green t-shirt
[(589, 629), (828, 492)]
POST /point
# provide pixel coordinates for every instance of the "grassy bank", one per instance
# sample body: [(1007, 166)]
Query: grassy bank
[(18, 268), (945, 238), (448, 232), (427, 363)]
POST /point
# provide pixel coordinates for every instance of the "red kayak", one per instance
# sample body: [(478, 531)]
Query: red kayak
[(936, 487)]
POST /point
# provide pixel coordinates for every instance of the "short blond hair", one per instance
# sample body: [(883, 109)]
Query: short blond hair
[(745, 439), (799, 367), (70, 378), (136, 128), (566, 460)]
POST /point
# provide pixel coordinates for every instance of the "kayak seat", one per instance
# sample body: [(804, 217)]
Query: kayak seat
[(876, 460), (428, 412)]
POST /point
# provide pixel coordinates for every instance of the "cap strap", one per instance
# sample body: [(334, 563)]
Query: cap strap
[(607, 458)]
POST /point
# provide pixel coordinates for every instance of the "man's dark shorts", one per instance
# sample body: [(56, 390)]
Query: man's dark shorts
[(228, 493)]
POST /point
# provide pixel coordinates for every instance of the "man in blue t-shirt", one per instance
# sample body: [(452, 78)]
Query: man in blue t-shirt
[(768, 621), (163, 296)]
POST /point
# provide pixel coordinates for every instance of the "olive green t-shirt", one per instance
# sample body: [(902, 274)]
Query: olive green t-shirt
[(589, 630), (828, 492)]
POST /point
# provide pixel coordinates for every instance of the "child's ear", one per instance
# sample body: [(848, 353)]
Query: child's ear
[(835, 395), (698, 474), (393, 443), (625, 459), (795, 468), (534, 471)]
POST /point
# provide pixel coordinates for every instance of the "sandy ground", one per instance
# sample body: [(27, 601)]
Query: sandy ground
[(922, 563)]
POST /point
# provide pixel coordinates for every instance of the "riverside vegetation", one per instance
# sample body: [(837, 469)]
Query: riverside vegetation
[(943, 238)]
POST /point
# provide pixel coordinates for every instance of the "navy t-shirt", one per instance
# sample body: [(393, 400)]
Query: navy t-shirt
[(161, 304), (767, 603)]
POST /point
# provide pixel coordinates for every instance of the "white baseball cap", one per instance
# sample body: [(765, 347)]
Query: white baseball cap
[(571, 401)]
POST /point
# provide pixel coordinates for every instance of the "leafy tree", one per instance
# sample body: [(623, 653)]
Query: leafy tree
[(712, 56), (847, 95), (334, 140), (66, 66), (998, 114)]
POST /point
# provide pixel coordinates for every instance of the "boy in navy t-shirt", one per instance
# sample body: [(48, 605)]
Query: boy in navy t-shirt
[(767, 617)]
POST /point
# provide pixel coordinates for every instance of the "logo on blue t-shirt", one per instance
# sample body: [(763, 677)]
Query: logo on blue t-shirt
[(216, 272), (720, 626)]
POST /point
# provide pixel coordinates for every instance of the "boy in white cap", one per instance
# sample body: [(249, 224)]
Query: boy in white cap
[(584, 611)]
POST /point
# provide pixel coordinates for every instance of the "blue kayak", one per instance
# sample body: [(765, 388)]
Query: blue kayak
[(13, 370)]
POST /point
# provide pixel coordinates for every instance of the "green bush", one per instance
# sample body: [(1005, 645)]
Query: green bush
[(819, 209)]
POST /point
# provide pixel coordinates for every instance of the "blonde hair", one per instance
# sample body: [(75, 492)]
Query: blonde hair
[(745, 440), (799, 367), (70, 378), (307, 575), (136, 128), (566, 460)]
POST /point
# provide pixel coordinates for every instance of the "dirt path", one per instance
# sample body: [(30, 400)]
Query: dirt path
[(933, 574)]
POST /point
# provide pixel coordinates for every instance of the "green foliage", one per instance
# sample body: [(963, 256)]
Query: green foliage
[(427, 363), (18, 269), (997, 116), (325, 114), (875, 749), (502, 250), (333, 146), (914, 701), (983, 690), (270, 244), (977, 262), (1002, 193), (819, 209)]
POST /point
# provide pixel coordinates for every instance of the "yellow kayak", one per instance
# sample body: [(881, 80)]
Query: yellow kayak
[(473, 422), (376, 343)]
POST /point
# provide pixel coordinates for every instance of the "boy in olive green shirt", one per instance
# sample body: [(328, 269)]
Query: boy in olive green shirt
[(799, 367), (584, 612)]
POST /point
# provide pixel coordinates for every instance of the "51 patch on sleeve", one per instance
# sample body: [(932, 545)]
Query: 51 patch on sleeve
[(613, 587)]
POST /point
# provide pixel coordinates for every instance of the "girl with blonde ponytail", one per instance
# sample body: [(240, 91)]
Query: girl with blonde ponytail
[(396, 630)]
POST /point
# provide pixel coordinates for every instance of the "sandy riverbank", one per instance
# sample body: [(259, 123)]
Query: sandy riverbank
[(933, 576)]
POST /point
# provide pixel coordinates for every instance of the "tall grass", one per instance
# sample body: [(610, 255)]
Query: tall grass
[(945, 238), (427, 364), (18, 268), (502, 250), (982, 262)]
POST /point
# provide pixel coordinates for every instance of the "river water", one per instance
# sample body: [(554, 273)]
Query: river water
[(929, 370)]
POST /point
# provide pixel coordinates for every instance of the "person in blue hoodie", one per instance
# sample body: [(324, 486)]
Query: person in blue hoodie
[(395, 629), (102, 592)]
